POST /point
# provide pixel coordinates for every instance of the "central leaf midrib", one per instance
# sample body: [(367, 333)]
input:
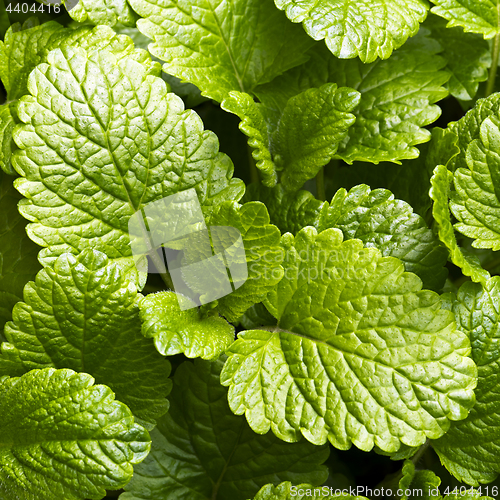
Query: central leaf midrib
[(278, 330)]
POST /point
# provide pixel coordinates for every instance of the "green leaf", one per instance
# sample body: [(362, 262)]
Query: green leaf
[(422, 480), (222, 46), (300, 139), (253, 125), (358, 28), (287, 491), (261, 242), (390, 225), (397, 97), (468, 263), (471, 15), (109, 12), (469, 450), (289, 211), (183, 331), (409, 181), (201, 451), (18, 262), (309, 132), (83, 315), (351, 359), (99, 145), (476, 202), (63, 437), (468, 128), (468, 57), (21, 51)]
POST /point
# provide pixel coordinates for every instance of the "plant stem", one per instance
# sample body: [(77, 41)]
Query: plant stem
[(254, 173), (320, 184), (490, 87)]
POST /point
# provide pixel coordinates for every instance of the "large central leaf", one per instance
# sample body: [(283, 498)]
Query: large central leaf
[(360, 355), (101, 142)]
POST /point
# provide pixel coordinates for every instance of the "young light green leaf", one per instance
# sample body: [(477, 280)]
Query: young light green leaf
[(287, 491), (470, 449), (351, 359), (439, 192), (471, 15), (224, 45), (309, 132), (253, 125), (183, 331), (109, 12), (83, 315), (424, 481), (98, 145), (468, 57), (18, 262), (390, 225), (397, 97), (476, 202), (358, 28), (289, 211), (302, 137), (261, 242), (63, 437), (201, 451)]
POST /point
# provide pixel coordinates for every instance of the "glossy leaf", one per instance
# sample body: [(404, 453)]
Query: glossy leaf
[(351, 359), (83, 315), (183, 331), (468, 263), (358, 28), (470, 450), (63, 437), (476, 202), (397, 97), (468, 57), (94, 155), (471, 15), (223, 45), (390, 225)]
